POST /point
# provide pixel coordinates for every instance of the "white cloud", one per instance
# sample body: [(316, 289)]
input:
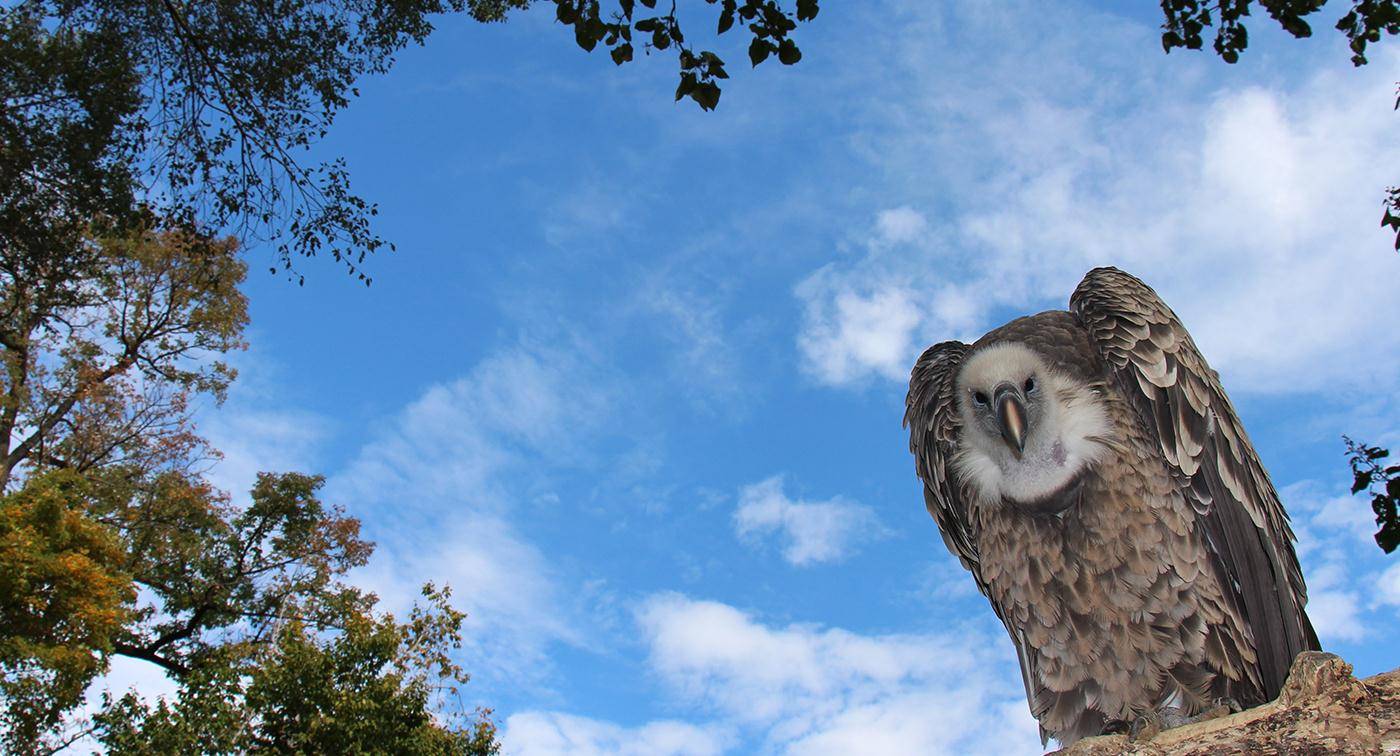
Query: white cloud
[(438, 491), (1334, 606), (1334, 542), (515, 603), (1345, 515), (921, 723), (1388, 586), (257, 430), (540, 733), (901, 225), (854, 332), (1336, 615), (1253, 206), (819, 531), (254, 441), (457, 438), (590, 211), (811, 690), (704, 362)]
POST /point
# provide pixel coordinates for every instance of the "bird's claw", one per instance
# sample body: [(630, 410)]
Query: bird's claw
[(1145, 727), (1149, 724), (1230, 705)]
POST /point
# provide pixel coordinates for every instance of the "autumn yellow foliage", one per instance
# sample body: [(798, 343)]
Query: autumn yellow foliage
[(63, 599)]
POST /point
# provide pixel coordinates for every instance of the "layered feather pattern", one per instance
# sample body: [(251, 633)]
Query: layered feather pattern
[(1169, 577)]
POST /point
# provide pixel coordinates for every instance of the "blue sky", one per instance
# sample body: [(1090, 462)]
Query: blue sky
[(632, 383)]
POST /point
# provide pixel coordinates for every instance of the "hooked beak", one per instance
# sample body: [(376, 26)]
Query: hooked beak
[(1011, 414)]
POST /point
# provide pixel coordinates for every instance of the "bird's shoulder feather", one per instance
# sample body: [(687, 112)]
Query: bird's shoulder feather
[(1154, 362)]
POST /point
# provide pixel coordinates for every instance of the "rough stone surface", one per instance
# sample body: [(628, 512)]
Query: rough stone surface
[(1322, 709)]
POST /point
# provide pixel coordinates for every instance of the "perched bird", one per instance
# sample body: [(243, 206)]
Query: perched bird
[(1087, 468)]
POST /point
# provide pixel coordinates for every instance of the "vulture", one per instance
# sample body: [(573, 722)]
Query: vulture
[(1089, 471)]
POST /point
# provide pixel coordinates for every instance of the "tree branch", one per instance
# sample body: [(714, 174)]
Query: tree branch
[(179, 669)]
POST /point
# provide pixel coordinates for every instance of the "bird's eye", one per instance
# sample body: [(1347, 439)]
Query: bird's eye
[(979, 398), (1030, 384)]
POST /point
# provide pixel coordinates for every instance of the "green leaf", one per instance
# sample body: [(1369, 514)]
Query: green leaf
[(759, 50), (726, 16), (1295, 26), (788, 52), (706, 95), (583, 38), (627, 6), (1388, 537), (688, 83), (807, 10), (622, 53)]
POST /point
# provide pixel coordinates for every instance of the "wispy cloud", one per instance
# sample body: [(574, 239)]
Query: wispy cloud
[(853, 331), (539, 733), (591, 210), (440, 490), (703, 361), (814, 690), (258, 430), (1253, 210), (261, 440), (901, 225), (1340, 560), (1389, 586), (803, 689), (811, 531)]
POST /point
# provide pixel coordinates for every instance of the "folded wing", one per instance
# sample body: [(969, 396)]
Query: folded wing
[(1180, 399)]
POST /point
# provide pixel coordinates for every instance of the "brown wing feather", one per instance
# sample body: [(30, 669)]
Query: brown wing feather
[(931, 415), (1179, 397), (932, 419)]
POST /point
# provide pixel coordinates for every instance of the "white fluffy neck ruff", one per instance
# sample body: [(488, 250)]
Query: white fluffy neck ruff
[(1067, 438)]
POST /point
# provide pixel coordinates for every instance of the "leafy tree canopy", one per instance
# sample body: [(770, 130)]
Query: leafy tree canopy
[(112, 543), (200, 113), (63, 602), (132, 131), (100, 363), (243, 606), (1186, 19), (627, 28), (366, 686)]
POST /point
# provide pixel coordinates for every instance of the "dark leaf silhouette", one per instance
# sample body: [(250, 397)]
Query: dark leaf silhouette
[(1383, 483)]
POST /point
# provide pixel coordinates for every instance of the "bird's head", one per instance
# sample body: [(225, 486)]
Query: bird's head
[(1028, 428), (1001, 396)]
